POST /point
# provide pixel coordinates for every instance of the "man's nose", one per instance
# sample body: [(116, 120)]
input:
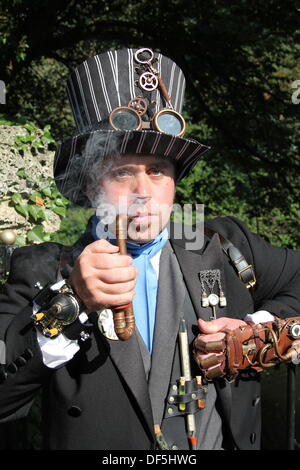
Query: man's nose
[(142, 186)]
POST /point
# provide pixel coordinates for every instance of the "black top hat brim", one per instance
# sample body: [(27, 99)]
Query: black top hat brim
[(75, 157)]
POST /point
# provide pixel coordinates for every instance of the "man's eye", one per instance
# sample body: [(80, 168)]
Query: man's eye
[(156, 171), (121, 173)]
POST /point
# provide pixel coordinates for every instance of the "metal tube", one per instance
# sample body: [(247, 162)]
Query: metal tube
[(123, 316), (186, 374), (291, 410)]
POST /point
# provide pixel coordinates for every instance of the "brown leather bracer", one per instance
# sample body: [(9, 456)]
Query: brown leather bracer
[(251, 346)]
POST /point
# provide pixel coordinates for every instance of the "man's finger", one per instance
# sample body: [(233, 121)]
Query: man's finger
[(210, 343), (210, 360), (101, 246), (220, 324), (106, 261)]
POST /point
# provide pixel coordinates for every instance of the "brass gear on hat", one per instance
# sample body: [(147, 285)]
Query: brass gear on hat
[(139, 104), (148, 81)]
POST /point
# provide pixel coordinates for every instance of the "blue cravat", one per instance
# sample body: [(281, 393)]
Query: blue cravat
[(144, 302)]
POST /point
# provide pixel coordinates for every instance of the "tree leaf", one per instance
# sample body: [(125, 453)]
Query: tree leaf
[(59, 210), (37, 235), (34, 196), (22, 173), (59, 201), (46, 191), (34, 211), (17, 198), (22, 209), (24, 139), (47, 214)]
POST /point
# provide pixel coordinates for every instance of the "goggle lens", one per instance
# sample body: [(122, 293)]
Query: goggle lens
[(169, 123), (125, 119)]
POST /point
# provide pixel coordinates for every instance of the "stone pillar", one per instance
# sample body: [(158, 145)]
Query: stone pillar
[(35, 165)]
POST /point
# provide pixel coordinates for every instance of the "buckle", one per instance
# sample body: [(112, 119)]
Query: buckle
[(250, 279)]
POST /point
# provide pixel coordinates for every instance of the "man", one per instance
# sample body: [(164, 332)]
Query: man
[(145, 392)]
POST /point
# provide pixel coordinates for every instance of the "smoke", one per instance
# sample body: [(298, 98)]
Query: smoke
[(87, 161), (88, 164)]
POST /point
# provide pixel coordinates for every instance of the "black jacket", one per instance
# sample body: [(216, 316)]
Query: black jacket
[(100, 399)]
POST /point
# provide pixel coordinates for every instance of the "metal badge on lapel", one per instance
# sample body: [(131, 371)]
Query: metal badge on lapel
[(210, 279), (106, 324)]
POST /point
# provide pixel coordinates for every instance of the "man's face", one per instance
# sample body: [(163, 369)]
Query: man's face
[(144, 188)]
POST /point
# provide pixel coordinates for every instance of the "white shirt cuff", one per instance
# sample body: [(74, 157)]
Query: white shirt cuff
[(57, 351), (261, 316)]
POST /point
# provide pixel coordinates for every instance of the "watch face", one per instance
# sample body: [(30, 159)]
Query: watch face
[(295, 330), (106, 324), (65, 308), (213, 299)]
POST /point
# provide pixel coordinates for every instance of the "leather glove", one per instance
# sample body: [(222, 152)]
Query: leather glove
[(248, 346)]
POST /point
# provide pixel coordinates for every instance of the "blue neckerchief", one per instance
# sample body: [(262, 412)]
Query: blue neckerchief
[(144, 302)]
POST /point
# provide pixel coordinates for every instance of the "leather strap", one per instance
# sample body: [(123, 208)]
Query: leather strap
[(243, 268)]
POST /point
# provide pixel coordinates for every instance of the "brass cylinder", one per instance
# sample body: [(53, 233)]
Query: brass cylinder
[(123, 316)]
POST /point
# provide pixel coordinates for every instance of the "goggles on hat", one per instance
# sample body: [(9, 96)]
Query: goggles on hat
[(129, 117), (166, 120)]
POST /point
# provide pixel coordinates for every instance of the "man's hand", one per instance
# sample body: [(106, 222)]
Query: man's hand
[(103, 277), (209, 347)]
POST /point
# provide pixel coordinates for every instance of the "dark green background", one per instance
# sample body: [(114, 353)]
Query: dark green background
[(240, 59)]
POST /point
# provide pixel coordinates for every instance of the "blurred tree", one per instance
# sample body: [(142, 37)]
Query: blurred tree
[(240, 59)]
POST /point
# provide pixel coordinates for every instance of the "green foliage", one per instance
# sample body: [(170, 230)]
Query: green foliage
[(240, 60), (34, 140), (21, 50), (38, 206), (42, 199), (72, 226)]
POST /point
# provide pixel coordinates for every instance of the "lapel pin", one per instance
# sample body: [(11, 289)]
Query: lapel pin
[(210, 279)]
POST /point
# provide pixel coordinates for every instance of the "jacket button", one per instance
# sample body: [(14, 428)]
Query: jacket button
[(256, 401), (20, 361), (12, 367), (2, 373), (252, 437), (74, 411), (27, 354)]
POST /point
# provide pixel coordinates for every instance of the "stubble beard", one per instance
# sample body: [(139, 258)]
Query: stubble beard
[(143, 233), (136, 231)]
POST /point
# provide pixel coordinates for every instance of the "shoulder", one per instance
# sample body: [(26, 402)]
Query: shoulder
[(29, 265), (42, 252), (33, 262), (230, 227)]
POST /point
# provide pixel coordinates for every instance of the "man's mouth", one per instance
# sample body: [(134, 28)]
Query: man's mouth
[(141, 217)]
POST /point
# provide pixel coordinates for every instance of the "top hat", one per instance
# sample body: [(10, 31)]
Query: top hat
[(125, 102)]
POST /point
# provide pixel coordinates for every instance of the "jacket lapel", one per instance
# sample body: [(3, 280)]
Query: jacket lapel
[(171, 295), (192, 262), (126, 355)]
